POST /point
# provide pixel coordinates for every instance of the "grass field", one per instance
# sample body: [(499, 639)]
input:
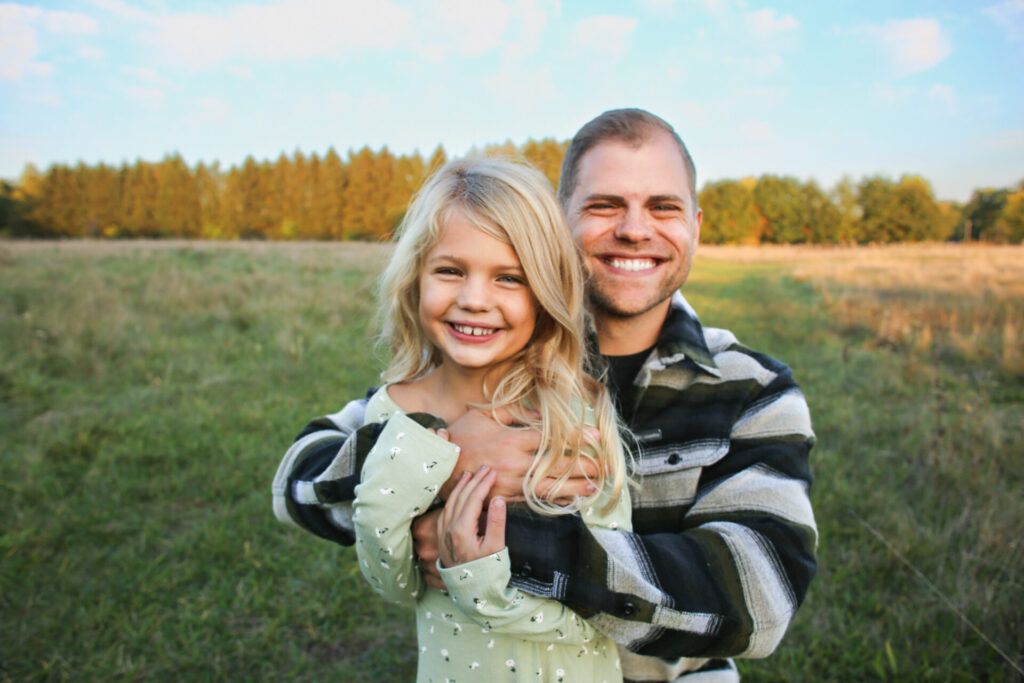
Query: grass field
[(148, 390)]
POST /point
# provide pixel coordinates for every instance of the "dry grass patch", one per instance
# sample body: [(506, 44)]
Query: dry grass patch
[(962, 301)]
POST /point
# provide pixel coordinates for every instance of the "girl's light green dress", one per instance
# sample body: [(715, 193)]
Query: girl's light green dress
[(483, 630)]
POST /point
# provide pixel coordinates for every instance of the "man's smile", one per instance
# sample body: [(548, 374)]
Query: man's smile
[(632, 265)]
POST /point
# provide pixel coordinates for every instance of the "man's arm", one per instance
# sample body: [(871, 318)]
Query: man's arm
[(715, 572), (315, 482)]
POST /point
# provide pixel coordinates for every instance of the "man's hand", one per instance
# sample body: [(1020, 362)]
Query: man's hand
[(424, 543), (508, 449)]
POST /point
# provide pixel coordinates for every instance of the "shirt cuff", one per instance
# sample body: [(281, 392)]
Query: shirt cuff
[(473, 584)]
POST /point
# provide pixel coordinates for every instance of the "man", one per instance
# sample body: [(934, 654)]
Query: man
[(723, 541)]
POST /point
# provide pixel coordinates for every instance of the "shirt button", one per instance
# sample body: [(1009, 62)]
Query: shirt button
[(628, 610), (674, 459), (526, 569)]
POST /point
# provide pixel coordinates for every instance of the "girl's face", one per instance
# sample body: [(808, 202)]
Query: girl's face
[(475, 305)]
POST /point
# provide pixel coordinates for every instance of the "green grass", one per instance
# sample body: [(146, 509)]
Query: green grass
[(147, 392)]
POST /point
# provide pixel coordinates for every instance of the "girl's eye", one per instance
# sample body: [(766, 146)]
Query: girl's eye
[(515, 279), (446, 270)]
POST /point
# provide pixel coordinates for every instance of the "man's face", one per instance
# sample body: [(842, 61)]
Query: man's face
[(633, 216)]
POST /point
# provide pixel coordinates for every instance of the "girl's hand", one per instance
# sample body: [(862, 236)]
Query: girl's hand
[(458, 527)]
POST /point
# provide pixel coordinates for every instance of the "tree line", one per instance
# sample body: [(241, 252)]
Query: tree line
[(364, 197)]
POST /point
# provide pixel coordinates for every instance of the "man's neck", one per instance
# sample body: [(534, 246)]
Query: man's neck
[(624, 335)]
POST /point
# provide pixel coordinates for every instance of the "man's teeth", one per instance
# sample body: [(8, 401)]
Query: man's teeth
[(475, 331), (632, 263)]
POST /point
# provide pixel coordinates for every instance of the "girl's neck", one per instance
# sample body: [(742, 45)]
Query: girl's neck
[(446, 392)]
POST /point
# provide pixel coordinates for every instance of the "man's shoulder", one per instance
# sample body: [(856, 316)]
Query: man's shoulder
[(735, 359), (351, 416)]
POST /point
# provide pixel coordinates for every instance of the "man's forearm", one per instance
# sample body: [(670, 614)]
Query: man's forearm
[(726, 586), (315, 482), (724, 540)]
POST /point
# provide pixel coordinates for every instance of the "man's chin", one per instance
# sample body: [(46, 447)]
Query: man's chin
[(618, 306)]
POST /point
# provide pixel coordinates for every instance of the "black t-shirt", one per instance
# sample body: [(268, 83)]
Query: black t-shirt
[(622, 370)]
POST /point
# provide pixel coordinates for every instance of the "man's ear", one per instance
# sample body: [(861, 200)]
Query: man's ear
[(696, 224)]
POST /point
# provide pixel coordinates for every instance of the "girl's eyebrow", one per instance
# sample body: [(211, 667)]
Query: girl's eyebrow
[(503, 267)]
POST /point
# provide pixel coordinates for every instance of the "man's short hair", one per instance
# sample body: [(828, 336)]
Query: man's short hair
[(631, 126)]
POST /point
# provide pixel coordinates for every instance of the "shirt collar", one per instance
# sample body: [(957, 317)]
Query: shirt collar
[(681, 337)]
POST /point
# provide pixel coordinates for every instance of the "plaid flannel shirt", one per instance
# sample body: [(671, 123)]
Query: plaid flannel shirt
[(723, 543)]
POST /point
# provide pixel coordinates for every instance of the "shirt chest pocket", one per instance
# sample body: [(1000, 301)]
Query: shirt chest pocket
[(668, 474)]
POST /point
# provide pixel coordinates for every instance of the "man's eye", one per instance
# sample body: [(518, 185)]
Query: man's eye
[(666, 207)]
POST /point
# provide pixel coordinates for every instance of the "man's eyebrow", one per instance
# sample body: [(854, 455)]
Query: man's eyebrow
[(610, 198), (662, 198)]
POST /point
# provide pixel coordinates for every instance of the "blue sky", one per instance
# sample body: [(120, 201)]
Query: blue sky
[(812, 89)]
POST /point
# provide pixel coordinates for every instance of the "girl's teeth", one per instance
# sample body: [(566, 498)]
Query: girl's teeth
[(475, 331)]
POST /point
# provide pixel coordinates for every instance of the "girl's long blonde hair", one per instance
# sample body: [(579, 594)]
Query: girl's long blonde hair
[(515, 204)]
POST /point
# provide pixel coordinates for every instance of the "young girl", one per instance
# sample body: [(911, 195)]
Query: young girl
[(483, 302)]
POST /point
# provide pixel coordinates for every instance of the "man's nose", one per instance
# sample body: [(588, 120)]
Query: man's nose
[(633, 227)]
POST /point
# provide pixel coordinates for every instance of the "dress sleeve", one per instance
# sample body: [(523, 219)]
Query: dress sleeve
[(481, 591), (401, 476)]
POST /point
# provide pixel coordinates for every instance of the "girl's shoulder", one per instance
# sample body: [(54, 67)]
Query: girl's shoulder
[(381, 406)]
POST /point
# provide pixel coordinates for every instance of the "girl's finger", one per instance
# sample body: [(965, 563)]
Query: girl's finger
[(449, 510), (470, 501), (494, 534)]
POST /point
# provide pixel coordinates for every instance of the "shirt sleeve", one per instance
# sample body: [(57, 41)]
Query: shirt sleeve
[(481, 591), (730, 576), (401, 477), (315, 482)]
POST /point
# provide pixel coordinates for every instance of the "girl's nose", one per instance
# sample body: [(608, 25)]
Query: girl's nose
[(474, 295)]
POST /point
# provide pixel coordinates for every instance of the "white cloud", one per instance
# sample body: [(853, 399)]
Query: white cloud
[(50, 99), (529, 19), (1007, 138), (344, 103), (943, 93), (142, 73), (1008, 15), (913, 45), (148, 97), (766, 23), (890, 95), (285, 30), (522, 88), (210, 110), (763, 65), (296, 30), (605, 35), (90, 52), (469, 28), (238, 70), (20, 28), (70, 23), (757, 131)]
